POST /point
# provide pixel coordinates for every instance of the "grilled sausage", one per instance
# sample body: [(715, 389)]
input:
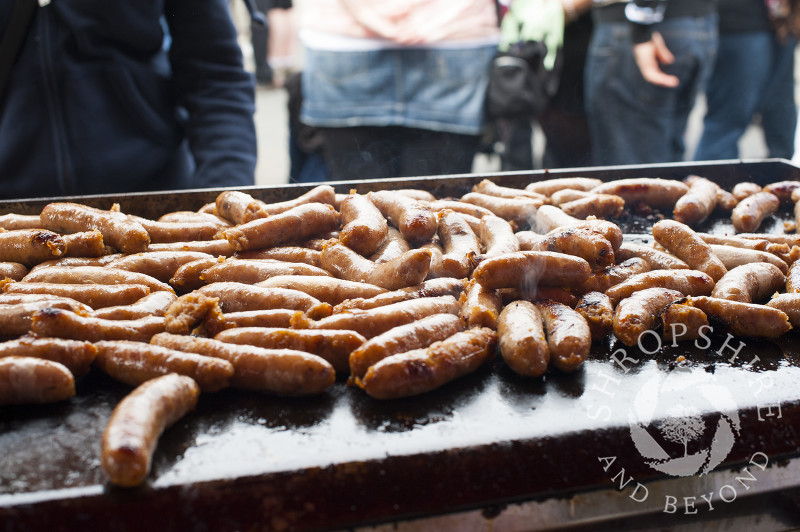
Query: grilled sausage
[(681, 240), (460, 244), (602, 280), (788, 303), (212, 247), (656, 259), (239, 207), (84, 244), (638, 313), (520, 334), (687, 282), (490, 188), (118, 230), (749, 283), (521, 211), (189, 276), (446, 286), (95, 295), (549, 217), (497, 237), (13, 270), (599, 205), (13, 221), (589, 245), (744, 319), (392, 247), (412, 217), (598, 311), (326, 289), (60, 323), (254, 271), (77, 356), (28, 380), (480, 306), (364, 228), (568, 336), (549, 187), (284, 253), (409, 269), (160, 265), (750, 212), (652, 191), (683, 322), (16, 319), (161, 232), (698, 203), (526, 269), (237, 297), (100, 275), (154, 304), (30, 246)]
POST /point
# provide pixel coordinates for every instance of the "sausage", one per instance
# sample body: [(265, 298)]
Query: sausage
[(528, 240), (12, 221), (488, 187), (17, 318), (521, 211), (239, 207), (549, 217), (60, 323), (480, 306), (296, 224), (750, 212), (497, 237), (95, 295), (681, 240), (409, 269), (745, 189), (793, 278), (154, 304), (284, 253), (603, 280), (549, 187), (783, 190), (392, 247), (560, 295), (30, 246), (725, 200), (75, 355), (598, 311), (285, 372), (589, 245), (600, 205), (363, 226), (638, 313), (569, 194), (13, 270), (100, 275), (118, 230), (212, 247), (749, 282), (608, 230), (237, 297), (84, 244), (191, 311), (372, 322), (65, 302), (527, 269), (521, 338), (683, 322), (417, 194), (188, 277), (744, 319), (687, 282), (137, 422), (746, 242), (568, 336), (446, 286), (460, 207), (163, 232), (323, 194), (28, 380), (326, 289), (437, 268), (259, 318), (333, 346), (698, 203), (136, 362), (789, 304), (656, 259), (415, 335), (254, 271), (160, 265), (193, 217), (732, 257), (460, 244), (413, 218), (422, 370), (652, 191)]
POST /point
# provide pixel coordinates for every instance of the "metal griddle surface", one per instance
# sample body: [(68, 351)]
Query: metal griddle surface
[(250, 461)]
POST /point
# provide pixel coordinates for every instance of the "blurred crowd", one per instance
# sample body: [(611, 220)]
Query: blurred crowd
[(399, 88)]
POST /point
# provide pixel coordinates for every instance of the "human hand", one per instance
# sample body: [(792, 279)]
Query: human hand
[(534, 20), (650, 56)]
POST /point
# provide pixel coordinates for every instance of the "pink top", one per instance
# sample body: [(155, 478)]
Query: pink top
[(406, 22)]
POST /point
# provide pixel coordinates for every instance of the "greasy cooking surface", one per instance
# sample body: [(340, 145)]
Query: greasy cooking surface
[(343, 458)]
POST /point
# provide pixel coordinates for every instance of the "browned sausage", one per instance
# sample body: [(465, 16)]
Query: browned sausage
[(549, 217), (155, 304), (160, 265), (549, 187), (783, 190), (236, 297), (192, 217), (446, 286), (413, 218), (520, 334), (132, 432), (745, 189), (16, 319), (521, 211), (687, 282), (334, 346), (161, 232), (460, 207), (13, 270), (415, 335), (363, 226), (526, 269), (698, 203), (13, 221), (602, 280), (652, 191), (422, 370), (319, 194), (60, 323), (296, 224), (28, 380), (749, 213), (497, 236), (460, 244), (486, 186), (136, 362), (589, 245), (76, 355), (749, 283), (95, 295), (118, 230), (212, 247), (392, 247), (600, 205), (656, 259), (598, 311), (326, 289), (30, 246), (239, 207), (744, 319), (793, 278), (84, 244), (99, 275), (568, 336), (259, 318), (788, 303), (284, 253), (480, 306), (276, 371), (638, 313), (683, 322), (254, 271), (409, 269), (188, 277), (681, 240)]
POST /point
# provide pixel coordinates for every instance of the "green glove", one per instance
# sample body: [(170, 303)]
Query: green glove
[(534, 20)]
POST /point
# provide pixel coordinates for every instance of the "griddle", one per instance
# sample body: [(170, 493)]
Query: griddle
[(489, 451)]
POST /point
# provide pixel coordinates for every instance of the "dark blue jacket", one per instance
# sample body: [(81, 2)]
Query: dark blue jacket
[(98, 103)]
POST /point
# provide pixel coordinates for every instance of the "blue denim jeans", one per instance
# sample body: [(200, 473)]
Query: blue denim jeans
[(631, 120), (753, 74)]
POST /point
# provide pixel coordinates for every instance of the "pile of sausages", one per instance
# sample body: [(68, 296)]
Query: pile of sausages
[(397, 291)]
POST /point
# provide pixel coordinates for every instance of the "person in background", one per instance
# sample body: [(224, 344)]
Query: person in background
[(647, 62), (97, 103), (397, 88), (753, 74), (282, 35), (260, 40)]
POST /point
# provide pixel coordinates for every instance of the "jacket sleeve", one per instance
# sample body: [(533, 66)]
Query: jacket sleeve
[(216, 91), (644, 14)]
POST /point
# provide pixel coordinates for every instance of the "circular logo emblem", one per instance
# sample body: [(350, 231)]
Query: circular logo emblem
[(673, 413)]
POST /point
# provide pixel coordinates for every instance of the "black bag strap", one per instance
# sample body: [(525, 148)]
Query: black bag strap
[(14, 36)]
